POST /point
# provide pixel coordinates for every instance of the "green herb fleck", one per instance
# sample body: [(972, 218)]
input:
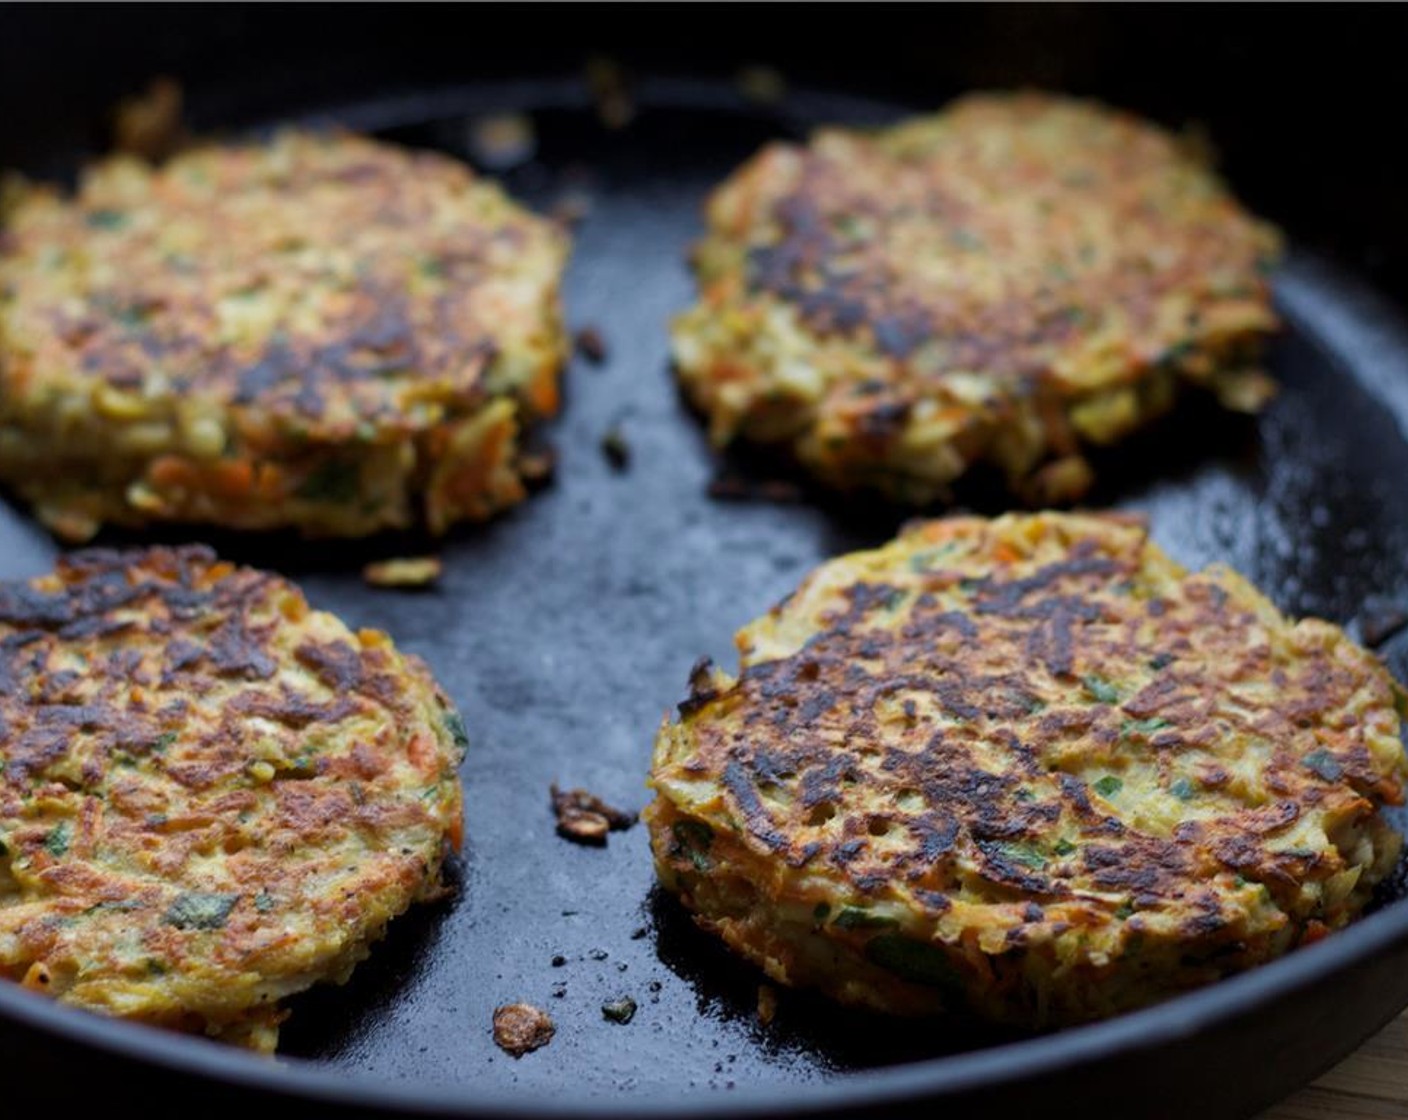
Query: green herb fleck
[(432, 267), (105, 219), (4, 848), (263, 902), (1024, 853), (162, 741), (1109, 785), (134, 316), (1182, 789), (1324, 764), (1103, 691), (820, 911), (1124, 911), (921, 561), (621, 1010), (694, 839), (1063, 847), (454, 724), (155, 967), (1143, 728), (965, 239), (856, 917), (916, 961), (200, 910), (122, 906), (57, 840), (335, 482)]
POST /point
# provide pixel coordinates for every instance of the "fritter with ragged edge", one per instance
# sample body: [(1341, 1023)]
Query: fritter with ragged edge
[(1028, 769), (321, 332), (211, 796), (1005, 282)]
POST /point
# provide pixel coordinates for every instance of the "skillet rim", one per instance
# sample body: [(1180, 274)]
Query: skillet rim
[(1362, 336), (1361, 333)]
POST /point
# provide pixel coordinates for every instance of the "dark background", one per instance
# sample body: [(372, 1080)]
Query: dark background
[(1301, 101)]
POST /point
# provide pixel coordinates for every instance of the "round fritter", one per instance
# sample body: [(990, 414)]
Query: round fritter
[(1029, 769), (211, 796), (320, 332), (1004, 283)]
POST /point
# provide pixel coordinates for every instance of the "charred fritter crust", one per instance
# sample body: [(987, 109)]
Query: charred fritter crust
[(321, 332), (211, 796), (1030, 769), (1005, 282)]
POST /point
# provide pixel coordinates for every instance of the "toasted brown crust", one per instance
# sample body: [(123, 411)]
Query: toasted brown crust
[(1074, 776), (308, 332), (1005, 282), (211, 797)]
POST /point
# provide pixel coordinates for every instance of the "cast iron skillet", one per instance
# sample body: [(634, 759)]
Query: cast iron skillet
[(567, 628)]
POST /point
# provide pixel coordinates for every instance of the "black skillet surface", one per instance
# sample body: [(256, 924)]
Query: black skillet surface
[(566, 629)]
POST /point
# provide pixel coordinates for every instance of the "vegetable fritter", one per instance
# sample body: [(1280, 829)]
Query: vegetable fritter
[(1028, 769), (321, 332), (211, 796), (1006, 282)]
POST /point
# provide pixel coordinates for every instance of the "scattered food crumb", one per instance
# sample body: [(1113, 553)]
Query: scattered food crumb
[(405, 571), (767, 1003), (502, 140), (591, 345), (639, 933), (586, 818), (607, 82), (615, 448), (598, 954), (559, 991), (521, 1028), (149, 125), (621, 1010), (558, 961), (763, 85), (729, 487), (1248, 391), (572, 207), (537, 467), (655, 985)]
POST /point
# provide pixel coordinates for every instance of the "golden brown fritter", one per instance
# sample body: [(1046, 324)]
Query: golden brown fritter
[(1005, 282), (211, 796), (1027, 768), (321, 332)]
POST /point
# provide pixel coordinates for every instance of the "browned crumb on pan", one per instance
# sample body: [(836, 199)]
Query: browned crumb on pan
[(537, 467), (767, 1004), (616, 447), (521, 1028), (404, 572), (591, 345), (584, 818), (149, 124)]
